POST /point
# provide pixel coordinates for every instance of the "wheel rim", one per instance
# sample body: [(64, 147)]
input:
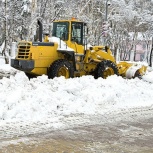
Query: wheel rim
[(63, 71), (108, 72)]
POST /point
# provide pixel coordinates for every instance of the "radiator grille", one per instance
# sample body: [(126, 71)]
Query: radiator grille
[(23, 50)]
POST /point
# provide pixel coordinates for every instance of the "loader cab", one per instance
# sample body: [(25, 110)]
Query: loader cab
[(73, 32)]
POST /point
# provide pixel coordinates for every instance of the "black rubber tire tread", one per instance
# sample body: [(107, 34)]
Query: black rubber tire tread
[(101, 67), (56, 65)]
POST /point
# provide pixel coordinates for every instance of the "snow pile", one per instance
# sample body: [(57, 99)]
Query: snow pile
[(6, 70), (42, 98), (61, 44), (148, 77)]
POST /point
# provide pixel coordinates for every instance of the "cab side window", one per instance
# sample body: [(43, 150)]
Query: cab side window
[(76, 32)]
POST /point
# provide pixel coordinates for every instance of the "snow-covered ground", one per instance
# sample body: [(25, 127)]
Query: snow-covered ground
[(43, 100)]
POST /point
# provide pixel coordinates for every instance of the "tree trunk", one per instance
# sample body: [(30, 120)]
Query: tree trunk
[(6, 35), (115, 52)]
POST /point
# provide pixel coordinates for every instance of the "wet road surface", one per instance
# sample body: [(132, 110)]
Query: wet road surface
[(134, 135)]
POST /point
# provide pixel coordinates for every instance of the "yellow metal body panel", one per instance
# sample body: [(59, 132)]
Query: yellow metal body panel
[(43, 56), (76, 47), (98, 54)]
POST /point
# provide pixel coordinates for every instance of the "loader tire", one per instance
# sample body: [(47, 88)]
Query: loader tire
[(61, 67), (105, 69)]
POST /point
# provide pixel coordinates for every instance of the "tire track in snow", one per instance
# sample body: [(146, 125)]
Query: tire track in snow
[(19, 129)]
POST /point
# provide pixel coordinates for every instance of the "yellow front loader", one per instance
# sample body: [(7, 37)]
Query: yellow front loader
[(67, 54)]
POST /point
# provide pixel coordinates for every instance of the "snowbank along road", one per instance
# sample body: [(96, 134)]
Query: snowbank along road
[(41, 105)]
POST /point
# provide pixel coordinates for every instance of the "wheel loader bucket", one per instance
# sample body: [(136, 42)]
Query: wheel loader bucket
[(131, 70)]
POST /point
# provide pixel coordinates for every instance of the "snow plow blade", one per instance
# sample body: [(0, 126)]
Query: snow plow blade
[(131, 70)]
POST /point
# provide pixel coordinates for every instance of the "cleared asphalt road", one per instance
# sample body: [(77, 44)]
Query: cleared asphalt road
[(124, 132)]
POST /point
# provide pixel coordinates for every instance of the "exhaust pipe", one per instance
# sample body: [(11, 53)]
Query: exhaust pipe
[(40, 32)]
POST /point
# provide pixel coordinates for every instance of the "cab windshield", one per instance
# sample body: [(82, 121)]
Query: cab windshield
[(60, 30)]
